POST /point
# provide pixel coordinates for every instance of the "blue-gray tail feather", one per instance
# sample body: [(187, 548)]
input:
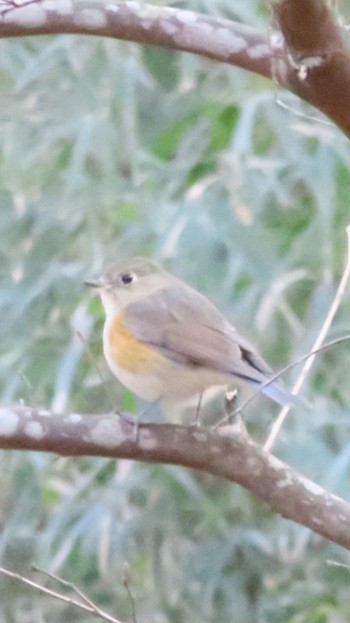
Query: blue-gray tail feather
[(281, 395)]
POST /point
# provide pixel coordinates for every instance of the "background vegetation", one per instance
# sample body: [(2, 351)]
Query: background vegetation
[(110, 149)]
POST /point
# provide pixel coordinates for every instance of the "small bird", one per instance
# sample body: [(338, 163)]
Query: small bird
[(165, 341)]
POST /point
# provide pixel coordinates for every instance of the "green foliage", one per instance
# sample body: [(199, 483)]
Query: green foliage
[(110, 149)]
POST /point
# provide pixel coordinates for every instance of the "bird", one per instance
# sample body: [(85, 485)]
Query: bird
[(165, 341)]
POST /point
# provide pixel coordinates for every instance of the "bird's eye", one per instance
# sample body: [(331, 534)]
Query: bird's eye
[(127, 278)]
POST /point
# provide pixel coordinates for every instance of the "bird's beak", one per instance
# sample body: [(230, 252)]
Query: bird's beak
[(93, 284)]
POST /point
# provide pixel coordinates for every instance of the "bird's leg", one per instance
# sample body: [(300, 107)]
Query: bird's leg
[(128, 420), (134, 421), (125, 417), (230, 405), (196, 421)]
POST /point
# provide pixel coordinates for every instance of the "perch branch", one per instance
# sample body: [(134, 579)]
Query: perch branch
[(228, 453)]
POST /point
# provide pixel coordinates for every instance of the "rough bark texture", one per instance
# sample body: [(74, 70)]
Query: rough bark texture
[(232, 455), (319, 71), (306, 54), (172, 28)]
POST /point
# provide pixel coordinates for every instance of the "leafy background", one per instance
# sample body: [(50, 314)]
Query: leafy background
[(110, 149)]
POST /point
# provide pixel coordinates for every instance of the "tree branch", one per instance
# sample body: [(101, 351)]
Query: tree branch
[(307, 56), (216, 38), (319, 68), (229, 454)]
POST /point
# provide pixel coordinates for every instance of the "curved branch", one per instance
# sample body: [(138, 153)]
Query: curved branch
[(307, 56), (235, 457), (216, 38), (319, 68)]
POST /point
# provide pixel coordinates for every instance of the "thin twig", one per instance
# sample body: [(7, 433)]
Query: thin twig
[(87, 605), (301, 115), (318, 343), (240, 409), (335, 563), (126, 583), (65, 583)]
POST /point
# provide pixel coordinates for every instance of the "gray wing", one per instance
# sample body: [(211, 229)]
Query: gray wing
[(187, 328)]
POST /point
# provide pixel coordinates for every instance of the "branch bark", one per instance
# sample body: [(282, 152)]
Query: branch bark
[(307, 55), (229, 454), (319, 71), (216, 38)]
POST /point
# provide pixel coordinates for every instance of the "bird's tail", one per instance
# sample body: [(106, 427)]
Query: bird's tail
[(281, 395)]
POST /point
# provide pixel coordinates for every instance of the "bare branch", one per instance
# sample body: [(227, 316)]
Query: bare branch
[(307, 55), (319, 68), (229, 453), (216, 38), (85, 604), (309, 28)]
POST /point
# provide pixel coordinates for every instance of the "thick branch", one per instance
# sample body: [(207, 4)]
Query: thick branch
[(311, 60), (319, 71), (235, 457), (216, 38)]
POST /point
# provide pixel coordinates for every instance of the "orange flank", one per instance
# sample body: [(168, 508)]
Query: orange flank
[(129, 353)]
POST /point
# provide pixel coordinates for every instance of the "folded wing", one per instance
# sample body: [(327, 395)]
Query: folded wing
[(187, 328)]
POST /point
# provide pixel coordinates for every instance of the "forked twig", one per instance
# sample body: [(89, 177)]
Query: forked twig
[(86, 604), (316, 346)]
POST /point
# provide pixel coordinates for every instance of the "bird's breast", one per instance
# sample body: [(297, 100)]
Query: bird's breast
[(125, 351)]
